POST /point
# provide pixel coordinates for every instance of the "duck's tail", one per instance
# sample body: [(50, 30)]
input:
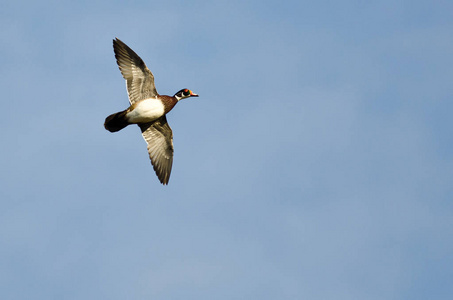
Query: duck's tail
[(116, 122)]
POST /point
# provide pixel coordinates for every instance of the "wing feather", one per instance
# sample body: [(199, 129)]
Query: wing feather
[(139, 79), (159, 137)]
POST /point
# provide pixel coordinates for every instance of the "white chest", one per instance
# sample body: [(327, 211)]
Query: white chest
[(146, 111)]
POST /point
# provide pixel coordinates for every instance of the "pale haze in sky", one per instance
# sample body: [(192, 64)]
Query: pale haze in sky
[(316, 163)]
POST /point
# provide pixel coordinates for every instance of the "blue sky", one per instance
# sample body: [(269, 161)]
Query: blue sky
[(316, 163)]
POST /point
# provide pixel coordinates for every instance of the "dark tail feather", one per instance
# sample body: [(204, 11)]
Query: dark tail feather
[(116, 122)]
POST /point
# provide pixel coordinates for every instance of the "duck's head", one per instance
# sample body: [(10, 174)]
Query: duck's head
[(185, 93)]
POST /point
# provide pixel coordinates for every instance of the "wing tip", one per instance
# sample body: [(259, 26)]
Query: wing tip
[(162, 175)]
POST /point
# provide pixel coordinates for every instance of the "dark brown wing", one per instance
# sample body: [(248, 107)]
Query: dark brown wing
[(159, 137), (139, 79)]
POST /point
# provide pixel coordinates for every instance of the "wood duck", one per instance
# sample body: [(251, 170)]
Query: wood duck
[(147, 109)]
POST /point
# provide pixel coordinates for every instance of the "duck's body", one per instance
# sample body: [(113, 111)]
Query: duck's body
[(148, 109), (144, 111)]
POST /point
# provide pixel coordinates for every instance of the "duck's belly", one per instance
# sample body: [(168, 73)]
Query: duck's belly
[(146, 111)]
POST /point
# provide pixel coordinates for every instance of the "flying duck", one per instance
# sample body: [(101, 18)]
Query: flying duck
[(148, 109)]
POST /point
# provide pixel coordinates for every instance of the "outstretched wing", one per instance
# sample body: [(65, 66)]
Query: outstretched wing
[(139, 79), (159, 137)]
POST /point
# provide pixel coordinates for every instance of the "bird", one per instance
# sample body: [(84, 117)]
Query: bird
[(148, 109)]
